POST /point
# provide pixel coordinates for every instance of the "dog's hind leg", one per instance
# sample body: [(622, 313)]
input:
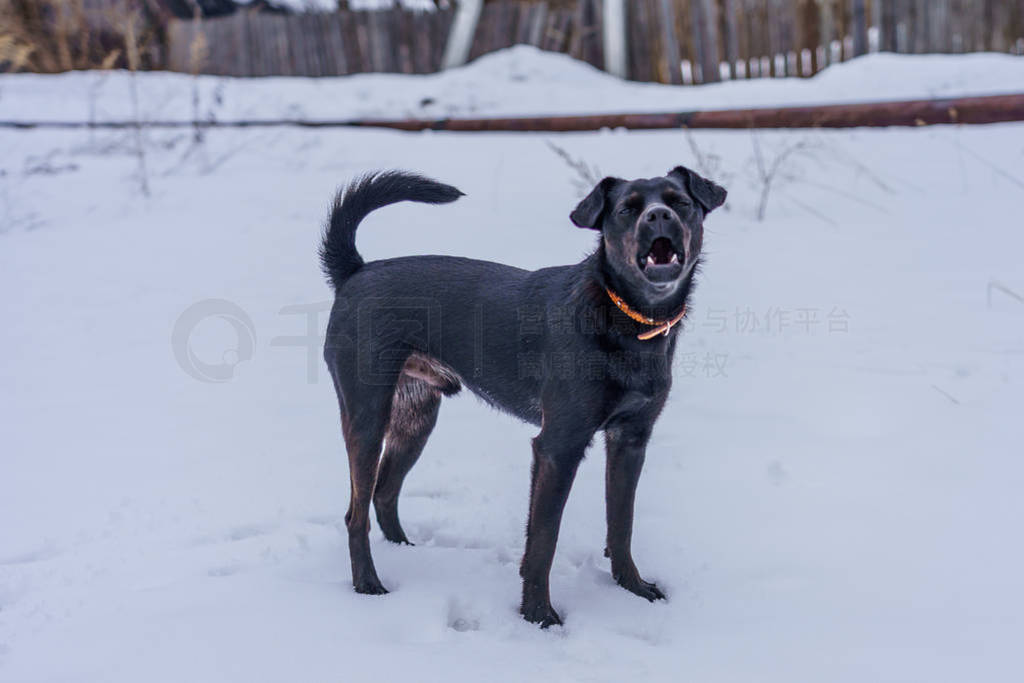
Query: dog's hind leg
[(365, 411), (414, 409)]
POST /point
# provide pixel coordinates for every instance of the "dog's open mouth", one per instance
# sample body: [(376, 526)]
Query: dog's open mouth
[(660, 254)]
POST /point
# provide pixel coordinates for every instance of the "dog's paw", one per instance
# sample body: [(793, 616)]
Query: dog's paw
[(543, 614), (645, 589), (369, 587), (398, 538)]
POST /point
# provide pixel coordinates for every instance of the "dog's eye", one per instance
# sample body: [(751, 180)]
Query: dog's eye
[(626, 210), (676, 199)]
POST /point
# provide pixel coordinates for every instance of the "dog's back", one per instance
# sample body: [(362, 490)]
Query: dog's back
[(455, 313)]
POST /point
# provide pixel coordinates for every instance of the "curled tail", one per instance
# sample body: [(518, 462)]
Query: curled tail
[(338, 256)]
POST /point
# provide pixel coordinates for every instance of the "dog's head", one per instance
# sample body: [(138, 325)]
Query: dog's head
[(652, 229)]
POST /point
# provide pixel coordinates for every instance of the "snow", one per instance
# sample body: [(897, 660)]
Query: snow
[(519, 81), (832, 500)]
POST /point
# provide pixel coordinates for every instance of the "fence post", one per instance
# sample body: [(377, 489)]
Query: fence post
[(460, 40), (614, 37)]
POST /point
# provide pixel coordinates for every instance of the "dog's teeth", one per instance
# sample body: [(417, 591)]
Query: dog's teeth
[(675, 258), (650, 260)]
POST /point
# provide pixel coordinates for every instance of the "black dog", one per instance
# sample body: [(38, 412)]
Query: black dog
[(573, 349)]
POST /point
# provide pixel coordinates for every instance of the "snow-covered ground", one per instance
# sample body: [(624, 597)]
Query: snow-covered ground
[(833, 493), (521, 80)]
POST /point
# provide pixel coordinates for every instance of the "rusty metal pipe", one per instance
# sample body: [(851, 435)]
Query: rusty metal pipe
[(956, 110)]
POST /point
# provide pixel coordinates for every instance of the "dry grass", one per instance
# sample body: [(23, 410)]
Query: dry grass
[(50, 36)]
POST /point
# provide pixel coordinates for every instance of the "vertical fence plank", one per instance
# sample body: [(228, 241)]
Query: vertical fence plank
[(323, 35), (363, 36), (499, 36), (316, 49), (419, 36), (730, 35), (479, 43), (443, 22), (924, 26), (635, 48), (711, 47), (743, 38), (381, 41), (590, 30), (296, 53), (670, 47), (221, 38), (209, 29), (688, 49), (859, 26), (564, 31), (239, 45), (309, 43), (575, 45), (979, 26), (774, 37), (336, 31), (986, 25), (303, 44), (997, 21), (546, 29), (538, 22), (522, 34), (350, 41), (705, 41), (787, 37), (841, 23), (256, 45), (696, 22), (755, 10), (956, 26), (810, 26), (176, 42), (887, 26), (265, 52), (1016, 27), (901, 10), (829, 31), (402, 21)]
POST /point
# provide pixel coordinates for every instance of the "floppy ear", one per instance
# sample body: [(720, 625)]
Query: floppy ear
[(709, 194), (587, 213)]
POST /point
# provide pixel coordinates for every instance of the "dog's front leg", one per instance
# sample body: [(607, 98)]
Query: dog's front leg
[(555, 459), (626, 446)]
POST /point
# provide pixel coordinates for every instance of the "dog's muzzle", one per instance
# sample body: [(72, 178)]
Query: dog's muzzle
[(664, 244)]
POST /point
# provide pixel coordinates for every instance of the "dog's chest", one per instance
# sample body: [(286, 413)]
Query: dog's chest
[(640, 382), (645, 373)]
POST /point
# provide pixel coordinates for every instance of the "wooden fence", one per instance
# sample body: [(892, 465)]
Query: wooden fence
[(669, 41), (311, 44)]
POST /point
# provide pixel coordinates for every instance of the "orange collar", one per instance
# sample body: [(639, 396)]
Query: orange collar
[(661, 327)]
